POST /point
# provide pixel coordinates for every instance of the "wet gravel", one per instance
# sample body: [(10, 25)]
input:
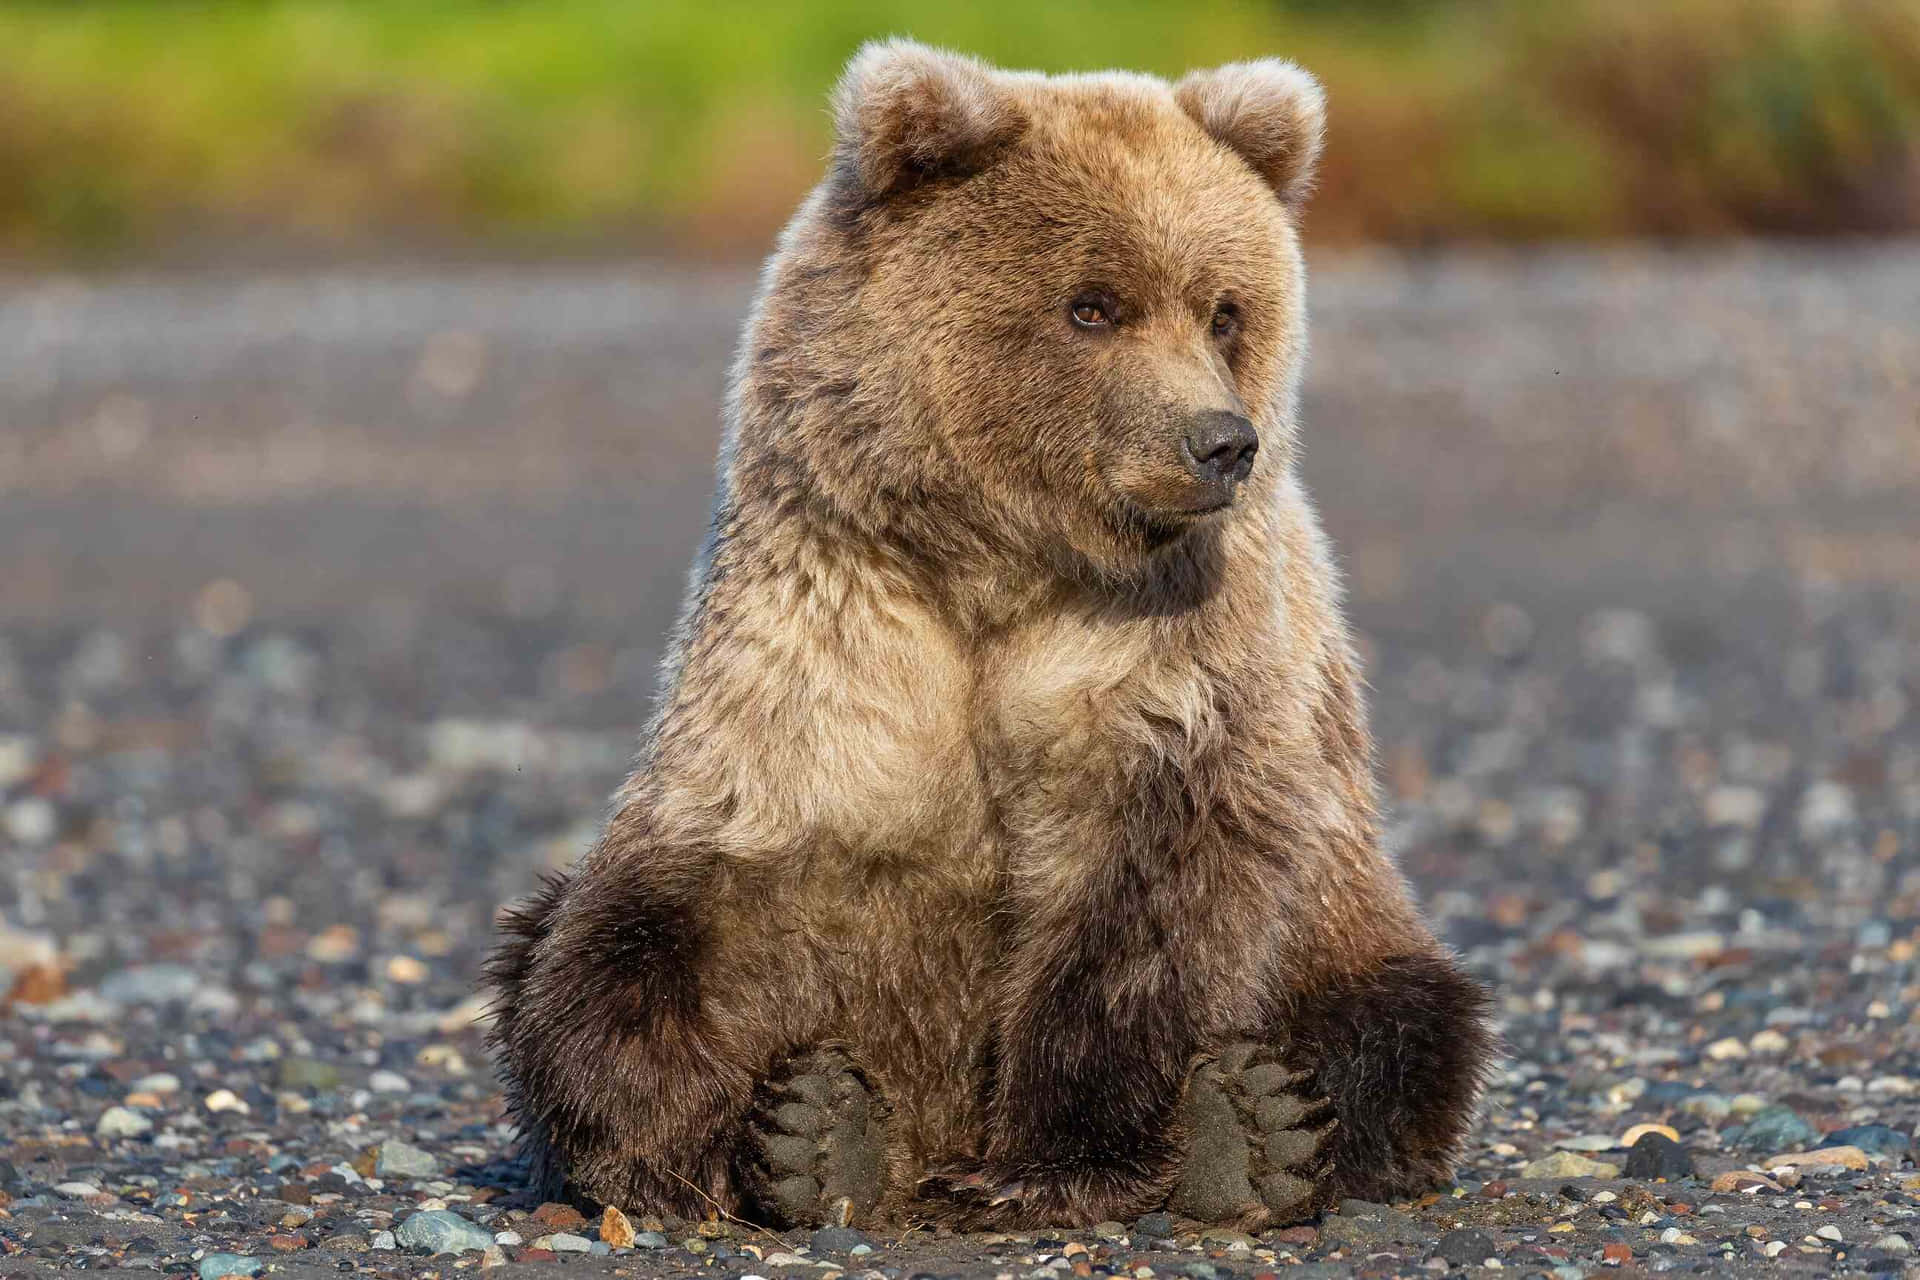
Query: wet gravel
[(330, 611)]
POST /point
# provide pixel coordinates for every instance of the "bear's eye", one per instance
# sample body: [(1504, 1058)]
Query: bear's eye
[(1090, 313), (1226, 319)]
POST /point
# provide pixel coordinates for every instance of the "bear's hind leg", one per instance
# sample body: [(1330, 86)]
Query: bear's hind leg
[(821, 1128), (1258, 1149)]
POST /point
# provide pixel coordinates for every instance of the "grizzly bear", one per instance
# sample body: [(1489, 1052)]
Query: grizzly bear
[(1003, 850)]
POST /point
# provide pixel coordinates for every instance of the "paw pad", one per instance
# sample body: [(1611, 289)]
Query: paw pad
[(1257, 1142), (822, 1137)]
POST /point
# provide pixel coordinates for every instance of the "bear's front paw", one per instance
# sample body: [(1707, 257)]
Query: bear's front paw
[(822, 1138), (1257, 1142)]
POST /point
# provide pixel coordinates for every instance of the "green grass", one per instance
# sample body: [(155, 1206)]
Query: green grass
[(127, 124)]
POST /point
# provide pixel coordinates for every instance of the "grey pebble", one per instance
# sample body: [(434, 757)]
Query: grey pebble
[(1777, 1129), (152, 984), (441, 1231), (836, 1239), (1466, 1247), (216, 1265), (1878, 1139), (396, 1159)]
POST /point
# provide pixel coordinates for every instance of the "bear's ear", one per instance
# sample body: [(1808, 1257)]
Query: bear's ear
[(903, 112), (1269, 111)]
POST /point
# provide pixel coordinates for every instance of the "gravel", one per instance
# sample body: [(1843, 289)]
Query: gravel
[(328, 627)]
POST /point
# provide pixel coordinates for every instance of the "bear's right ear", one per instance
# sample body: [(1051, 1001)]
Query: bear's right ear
[(903, 112)]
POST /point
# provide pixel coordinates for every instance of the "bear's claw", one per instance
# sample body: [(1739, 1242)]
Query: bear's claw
[(821, 1133), (1257, 1145)]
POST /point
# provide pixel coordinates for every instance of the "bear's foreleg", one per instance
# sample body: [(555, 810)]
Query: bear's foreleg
[(1094, 1036)]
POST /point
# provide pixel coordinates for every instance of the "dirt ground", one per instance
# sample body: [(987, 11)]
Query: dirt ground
[(329, 605)]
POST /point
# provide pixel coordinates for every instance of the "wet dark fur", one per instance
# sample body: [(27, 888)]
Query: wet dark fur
[(980, 756)]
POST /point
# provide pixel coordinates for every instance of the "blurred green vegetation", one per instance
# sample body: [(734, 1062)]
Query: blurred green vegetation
[(127, 126)]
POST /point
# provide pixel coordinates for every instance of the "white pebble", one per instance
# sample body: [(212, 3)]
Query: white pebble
[(122, 1122), (226, 1100), (389, 1082)]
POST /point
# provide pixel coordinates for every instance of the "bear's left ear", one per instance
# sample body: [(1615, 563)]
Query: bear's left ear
[(1269, 111), (903, 113)]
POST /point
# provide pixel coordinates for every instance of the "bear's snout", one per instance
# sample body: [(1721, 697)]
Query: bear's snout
[(1218, 447)]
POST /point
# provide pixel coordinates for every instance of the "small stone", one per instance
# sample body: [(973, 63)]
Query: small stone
[(1876, 1139), (1640, 1131), (406, 970), (1616, 1253), (1893, 1242), (564, 1242), (787, 1260), (1674, 1235), (122, 1122), (383, 1240), (1774, 1248), (396, 1159), (441, 1231), (160, 1082), (834, 1239), (649, 1240), (1587, 1142), (558, 1217), (493, 1256), (1825, 1157), (1709, 1106), (1656, 1157), (308, 1073), (151, 984), (1744, 1180), (1769, 1041), (1726, 1050), (1567, 1164), (1466, 1247), (77, 1190), (225, 1100), (615, 1229), (1156, 1226), (216, 1265), (389, 1082), (1830, 1232), (334, 944), (1776, 1129)]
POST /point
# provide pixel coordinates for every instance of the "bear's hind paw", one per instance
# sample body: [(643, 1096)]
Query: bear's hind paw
[(821, 1134), (1258, 1142)]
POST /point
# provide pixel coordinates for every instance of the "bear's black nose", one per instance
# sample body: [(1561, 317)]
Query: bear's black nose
[(1220, 447)]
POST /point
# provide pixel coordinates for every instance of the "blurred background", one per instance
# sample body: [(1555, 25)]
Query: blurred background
[(130, 127), (360, 367)]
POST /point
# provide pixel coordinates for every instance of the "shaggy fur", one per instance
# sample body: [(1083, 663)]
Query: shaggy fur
[(1004, 747)]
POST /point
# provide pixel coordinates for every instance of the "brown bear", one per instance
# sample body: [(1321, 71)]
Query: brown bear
[(1003, 851)]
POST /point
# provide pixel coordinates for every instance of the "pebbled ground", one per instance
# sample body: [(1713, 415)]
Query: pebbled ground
[(328, 609)]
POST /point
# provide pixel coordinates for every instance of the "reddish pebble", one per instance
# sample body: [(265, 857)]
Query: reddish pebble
[(558, 1217), (1617, 1254), (287, 1244), (1297, 1235), (1494, 1190), (535, 1255)]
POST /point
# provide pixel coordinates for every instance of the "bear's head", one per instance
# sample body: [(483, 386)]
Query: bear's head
[(1063, 310)]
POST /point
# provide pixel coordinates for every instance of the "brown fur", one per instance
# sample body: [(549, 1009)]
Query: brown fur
[(980, 752)]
